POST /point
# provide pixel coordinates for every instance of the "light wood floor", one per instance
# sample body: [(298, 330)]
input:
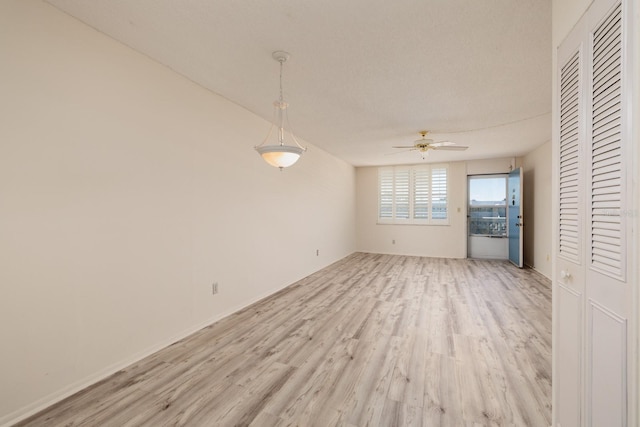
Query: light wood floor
[(373, 340)]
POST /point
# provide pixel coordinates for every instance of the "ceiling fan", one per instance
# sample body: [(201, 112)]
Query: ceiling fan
[(423, 145)]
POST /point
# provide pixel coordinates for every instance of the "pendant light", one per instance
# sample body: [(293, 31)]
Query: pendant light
[(278, 154)]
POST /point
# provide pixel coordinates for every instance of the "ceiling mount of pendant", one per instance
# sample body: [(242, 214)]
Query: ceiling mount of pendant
[(281, 56)]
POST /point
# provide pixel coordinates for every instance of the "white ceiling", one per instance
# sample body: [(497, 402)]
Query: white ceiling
[(364, 74)]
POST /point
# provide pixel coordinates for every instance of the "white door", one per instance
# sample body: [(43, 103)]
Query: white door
[(515, 212), (569, 290), (594, 340), (608, 291)]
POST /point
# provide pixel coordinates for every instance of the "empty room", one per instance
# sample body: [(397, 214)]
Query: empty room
[(286, 213)]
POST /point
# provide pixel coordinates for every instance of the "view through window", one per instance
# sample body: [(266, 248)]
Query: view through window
[(488, 205)]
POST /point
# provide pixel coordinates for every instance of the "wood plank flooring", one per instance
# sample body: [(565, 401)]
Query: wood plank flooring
[(372, 340)]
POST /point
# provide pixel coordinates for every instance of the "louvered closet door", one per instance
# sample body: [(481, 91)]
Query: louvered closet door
[(608, 292), (594, 340), (570, 270)]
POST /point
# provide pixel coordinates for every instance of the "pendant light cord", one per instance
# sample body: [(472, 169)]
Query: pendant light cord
[(281, 111), (281, 97)]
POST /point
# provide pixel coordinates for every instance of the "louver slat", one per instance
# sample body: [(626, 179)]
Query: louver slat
[(569, 158), (606, 148)]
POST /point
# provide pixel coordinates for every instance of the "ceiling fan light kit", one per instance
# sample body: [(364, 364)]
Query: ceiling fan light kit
[(280, 155)]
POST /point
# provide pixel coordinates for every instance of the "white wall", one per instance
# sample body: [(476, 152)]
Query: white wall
[(564, 16), (125, 191), (536, 166), (443, 241), (489, 166)]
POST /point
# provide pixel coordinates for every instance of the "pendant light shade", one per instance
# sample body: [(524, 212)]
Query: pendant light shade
[(277, 153), (280, 156)]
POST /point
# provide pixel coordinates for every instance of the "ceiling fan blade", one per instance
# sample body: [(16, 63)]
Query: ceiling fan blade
[(442, 143), (451, 147), (404, 146)]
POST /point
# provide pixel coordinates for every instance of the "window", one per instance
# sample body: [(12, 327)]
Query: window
[(413, 195)]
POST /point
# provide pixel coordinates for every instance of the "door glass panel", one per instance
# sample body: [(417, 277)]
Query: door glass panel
[(488, 206)]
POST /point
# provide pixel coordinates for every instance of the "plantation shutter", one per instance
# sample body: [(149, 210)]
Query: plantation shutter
[(402, 193), (385, 199), (439, 193), (569, 180), (607, 234), (421, 194), (412, 195)]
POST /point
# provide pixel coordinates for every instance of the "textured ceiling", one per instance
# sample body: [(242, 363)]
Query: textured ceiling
[(364, 74)]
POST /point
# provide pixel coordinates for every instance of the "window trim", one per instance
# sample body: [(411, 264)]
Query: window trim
[(411, 220)]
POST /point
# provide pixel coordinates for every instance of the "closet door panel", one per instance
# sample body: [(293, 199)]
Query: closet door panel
[(570, 132), (607, 288)]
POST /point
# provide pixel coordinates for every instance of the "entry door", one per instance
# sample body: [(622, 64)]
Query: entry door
[(514, 209)]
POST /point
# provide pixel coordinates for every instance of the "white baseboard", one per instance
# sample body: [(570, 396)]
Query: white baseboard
[(537, 271), (59, 395)]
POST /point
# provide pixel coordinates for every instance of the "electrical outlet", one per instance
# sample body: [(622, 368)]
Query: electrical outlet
[(214, 288), (317, 252)]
